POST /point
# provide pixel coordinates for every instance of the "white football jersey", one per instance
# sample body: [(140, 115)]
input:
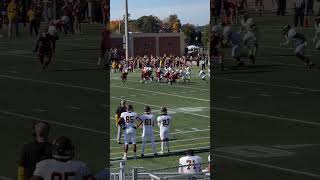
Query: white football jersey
[(190, 164), (130, 119), (52, 169), (148, 122), (164, 121), (202, 74)]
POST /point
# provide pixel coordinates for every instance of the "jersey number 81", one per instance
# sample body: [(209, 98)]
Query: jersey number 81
[(62, 176)]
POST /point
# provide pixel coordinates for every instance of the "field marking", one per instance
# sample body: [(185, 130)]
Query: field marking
[(294, 146), (296, 93), (58, 59), (53, 83), (181, 140), (176, 110), (39, 110), (178, 130), (171, 147), (183, 132), (269, 84), (233, 97), (268, 166), (15, 72), (267, 116), (73, 107), (52, 122), (5, 178), (174, 95), (265, 95), (174, 151)]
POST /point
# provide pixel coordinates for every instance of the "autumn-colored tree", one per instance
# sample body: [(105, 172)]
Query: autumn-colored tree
[(114, 26)]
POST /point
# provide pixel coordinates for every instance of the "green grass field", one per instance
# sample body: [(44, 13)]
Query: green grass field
[(187, 103), (267, 115), (70, 96)]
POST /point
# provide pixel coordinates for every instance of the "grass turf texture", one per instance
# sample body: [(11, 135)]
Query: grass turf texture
[(259, 109), (70, 95), (189, 128)]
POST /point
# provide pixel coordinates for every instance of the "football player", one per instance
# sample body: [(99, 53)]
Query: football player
[(190, 163), (122, 108), (45, 46), (235, 39), (148, 121), (216, 41), (316, 39), (164, 122), (299, 41), (62, 166), (128, 121), (124, 75), (203, 75), (250, 41)]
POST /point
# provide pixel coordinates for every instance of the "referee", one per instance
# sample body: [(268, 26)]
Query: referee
[(122, 108), (37, 150), (299, 6)]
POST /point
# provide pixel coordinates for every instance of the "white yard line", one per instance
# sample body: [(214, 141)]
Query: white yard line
[(176, 110), (268, 166), (52, 122), (5, 178), (161, 93), (269, 84), (267, 116)]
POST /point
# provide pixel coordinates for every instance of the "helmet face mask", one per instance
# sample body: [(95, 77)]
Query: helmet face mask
[(147, 109), (62, 149), (163, 110)]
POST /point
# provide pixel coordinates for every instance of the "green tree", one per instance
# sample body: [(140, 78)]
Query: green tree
[(190, 33), (149, 24), (205, 36)]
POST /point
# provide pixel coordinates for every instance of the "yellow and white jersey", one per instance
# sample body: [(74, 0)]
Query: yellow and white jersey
[(164, 121), (52, 169), (190, 164), (148, 121), (130, 119)]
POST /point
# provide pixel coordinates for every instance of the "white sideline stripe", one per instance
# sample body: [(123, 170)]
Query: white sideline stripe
[(175, 151), (175, 110), (268, 166), (297, 93), (269, 84), (39, 110), (183, 132), (178, 130), (53, 122), (186, 97), (171, 147), (181, 140), (267, 116), (5, 178)]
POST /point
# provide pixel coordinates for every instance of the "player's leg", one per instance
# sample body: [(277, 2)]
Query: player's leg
[(143, 143), (235, 53), (49, 58), (9, 28), (153, 144), (162, 139), (299, 52), (126, 146), (133, 140), (119, 134)]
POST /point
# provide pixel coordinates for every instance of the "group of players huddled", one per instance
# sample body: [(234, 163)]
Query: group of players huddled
[(223, 35), (128, 121), (169, 69)]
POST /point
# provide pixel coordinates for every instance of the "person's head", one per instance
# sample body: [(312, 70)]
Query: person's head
[(123, 102), (285, 29), (147, 109), (163, 110), (130, 108), (190, 152), (40, 131), (62, 149)]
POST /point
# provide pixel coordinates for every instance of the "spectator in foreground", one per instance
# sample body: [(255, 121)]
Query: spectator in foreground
[(32, 153), (13, 12), (190, 163)]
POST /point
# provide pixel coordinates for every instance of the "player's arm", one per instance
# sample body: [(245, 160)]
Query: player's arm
[(287, 41), (140, 122), (22, 161)]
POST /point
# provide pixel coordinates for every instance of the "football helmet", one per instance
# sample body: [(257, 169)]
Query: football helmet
[(130, 107), (163, 110), (62, 149), (123, 102), (285, 29), (147, 109)]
